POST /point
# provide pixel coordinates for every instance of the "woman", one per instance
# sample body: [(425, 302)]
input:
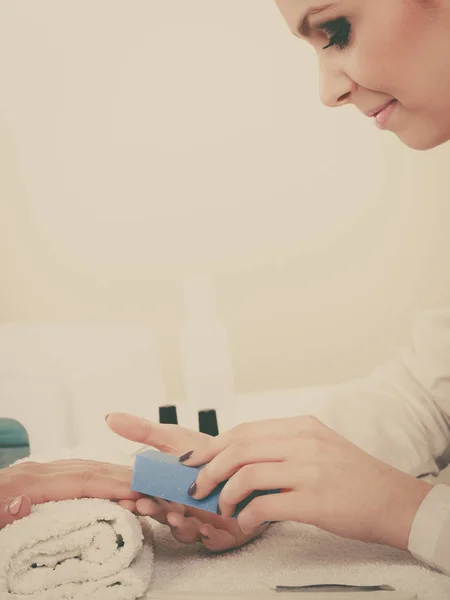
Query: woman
[(391, 59)]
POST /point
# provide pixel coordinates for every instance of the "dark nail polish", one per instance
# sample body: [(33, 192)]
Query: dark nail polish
[(186, 456), (192, 489), (219, 512)]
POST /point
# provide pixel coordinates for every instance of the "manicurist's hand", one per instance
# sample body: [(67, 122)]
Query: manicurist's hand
[(30, 483), (324, 480), (188, 525)]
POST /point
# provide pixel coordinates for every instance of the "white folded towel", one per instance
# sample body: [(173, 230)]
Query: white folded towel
[(73, 550), (289, 554)]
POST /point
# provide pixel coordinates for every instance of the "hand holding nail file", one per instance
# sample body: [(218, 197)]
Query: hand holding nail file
[(164, 476)]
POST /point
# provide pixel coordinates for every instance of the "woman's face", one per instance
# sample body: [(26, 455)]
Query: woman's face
[(375, 54)]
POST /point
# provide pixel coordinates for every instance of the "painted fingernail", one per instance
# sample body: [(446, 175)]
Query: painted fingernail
[(192, 489), (186, 456), (15, 505)]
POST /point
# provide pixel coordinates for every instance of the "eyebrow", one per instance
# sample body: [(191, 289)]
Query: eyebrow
[(304, 26)]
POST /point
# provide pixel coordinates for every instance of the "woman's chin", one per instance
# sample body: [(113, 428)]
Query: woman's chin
[(423, 141)]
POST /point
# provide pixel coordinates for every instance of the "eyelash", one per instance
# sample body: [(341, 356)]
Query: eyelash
[(338, 32)]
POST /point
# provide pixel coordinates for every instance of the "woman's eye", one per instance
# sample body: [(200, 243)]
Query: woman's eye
[(338, 32)]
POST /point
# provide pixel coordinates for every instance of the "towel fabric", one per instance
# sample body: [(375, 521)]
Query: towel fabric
[(76, 549), (293, 555)]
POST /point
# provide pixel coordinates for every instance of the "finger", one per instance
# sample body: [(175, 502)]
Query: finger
[(12, 509), (60, 468), (217, 540), (236, 456), (78, 463), (128, 505), (149, 507), (158, 509), (88, 483), (286, 506), (119, 472), (184, 529), (172, 439), (252, 431), (263, 476)]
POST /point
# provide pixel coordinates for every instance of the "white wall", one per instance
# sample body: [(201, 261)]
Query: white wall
[(145, 140)]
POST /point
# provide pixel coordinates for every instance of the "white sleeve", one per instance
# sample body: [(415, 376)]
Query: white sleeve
[(429, 539), (401, 413)]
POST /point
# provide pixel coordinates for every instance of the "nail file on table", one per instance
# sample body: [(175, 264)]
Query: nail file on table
[(308, 595), (163, 476)]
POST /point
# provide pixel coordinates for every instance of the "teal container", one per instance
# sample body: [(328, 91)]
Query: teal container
[(12, 434)]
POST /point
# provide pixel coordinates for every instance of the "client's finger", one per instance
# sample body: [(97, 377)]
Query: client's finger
[(128, 505), (87, 483), (150, 507), (217, 540), (12, 509), (184, 529)]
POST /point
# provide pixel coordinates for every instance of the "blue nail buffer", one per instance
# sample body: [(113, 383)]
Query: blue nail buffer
[(163, 476)]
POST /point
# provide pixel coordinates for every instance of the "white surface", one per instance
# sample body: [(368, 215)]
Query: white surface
[(290, 554)]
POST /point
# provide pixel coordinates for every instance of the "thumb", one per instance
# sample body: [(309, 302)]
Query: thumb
[(12, 509), (172, 439)]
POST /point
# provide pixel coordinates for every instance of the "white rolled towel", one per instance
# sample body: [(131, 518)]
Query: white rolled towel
[(76, 550)]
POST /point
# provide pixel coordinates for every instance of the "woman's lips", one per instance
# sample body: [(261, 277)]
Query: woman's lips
[(382, 113)]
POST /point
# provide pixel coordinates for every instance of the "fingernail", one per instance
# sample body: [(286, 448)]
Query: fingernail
[(192, 489), (15, 505), (186, 456), (219, 512), (205, 537), (106, 418)]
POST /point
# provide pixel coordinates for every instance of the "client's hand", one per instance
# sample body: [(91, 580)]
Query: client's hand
[(188, 525), (323, 479), (30, 483)]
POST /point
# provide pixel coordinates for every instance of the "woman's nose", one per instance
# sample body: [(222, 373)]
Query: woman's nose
[(336, 87)]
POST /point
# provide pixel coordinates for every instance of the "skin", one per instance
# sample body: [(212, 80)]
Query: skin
[(324, 480), (30, 483), (398, 49)]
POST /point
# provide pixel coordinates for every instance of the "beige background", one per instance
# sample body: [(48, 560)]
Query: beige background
[(145, 141)]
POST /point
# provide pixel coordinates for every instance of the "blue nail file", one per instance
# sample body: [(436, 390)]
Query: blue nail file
[(163, 476)]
